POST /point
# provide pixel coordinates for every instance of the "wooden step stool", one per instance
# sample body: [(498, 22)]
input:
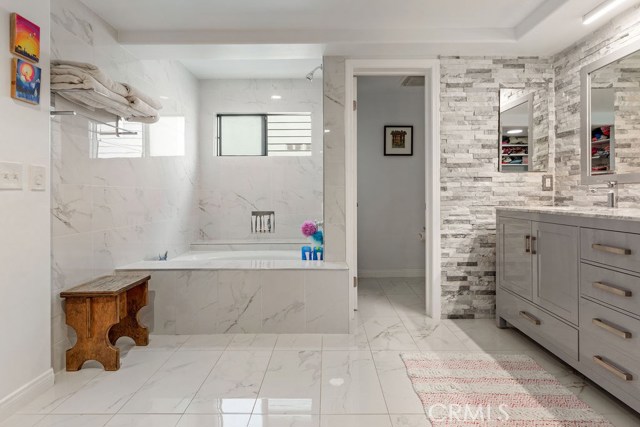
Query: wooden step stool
[(102, 311)]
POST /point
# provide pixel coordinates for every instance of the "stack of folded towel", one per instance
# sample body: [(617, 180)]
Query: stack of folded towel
[(68, 78)]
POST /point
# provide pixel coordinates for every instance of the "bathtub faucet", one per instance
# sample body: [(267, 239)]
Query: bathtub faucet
[(263, 222)]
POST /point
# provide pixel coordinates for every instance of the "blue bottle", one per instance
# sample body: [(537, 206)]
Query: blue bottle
[(318, 253), (307, 253)]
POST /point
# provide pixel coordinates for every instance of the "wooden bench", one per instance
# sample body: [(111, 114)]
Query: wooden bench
[(102, 311)]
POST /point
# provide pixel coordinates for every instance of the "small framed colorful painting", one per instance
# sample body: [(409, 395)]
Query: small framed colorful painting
[(25, 81), (25, 38), (398, 140)]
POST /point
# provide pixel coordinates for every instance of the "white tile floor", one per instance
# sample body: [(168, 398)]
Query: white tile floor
[(306, 380)]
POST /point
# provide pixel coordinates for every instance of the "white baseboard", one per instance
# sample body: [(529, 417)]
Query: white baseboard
[(406, 272), (14, 401)]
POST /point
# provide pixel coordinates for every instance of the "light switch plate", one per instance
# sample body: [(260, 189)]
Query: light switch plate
[(547, 182), (37, 178), (11, 176)]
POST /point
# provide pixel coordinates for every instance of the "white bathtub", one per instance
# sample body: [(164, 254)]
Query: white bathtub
[(256, 255)]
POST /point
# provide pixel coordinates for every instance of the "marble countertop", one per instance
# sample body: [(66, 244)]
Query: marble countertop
[(243, 264), (628, 214)]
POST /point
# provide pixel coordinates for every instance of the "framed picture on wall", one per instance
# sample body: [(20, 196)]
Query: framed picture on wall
[(25, 81), (25, 38), (398, 140)]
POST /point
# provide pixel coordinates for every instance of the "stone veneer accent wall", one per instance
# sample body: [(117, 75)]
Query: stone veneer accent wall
[(567, 64), (471, 185)]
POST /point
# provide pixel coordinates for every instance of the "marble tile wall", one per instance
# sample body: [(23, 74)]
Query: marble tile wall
[(334, 159), (110, 212), (195, 302), (470, 182), (567, 64), (232, 187)]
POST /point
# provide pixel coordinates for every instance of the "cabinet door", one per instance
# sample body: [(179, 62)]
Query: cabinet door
[(515, 256), (555, 269)]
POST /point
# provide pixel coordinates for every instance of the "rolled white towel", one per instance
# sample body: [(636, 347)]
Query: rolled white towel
[(133, 93)]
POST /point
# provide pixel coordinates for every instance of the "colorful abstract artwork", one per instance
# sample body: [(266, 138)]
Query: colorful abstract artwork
[(25, 84), (25, 38)]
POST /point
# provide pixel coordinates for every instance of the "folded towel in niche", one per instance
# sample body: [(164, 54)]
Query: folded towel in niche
[(60, 67), (62, 83), (133, 93)]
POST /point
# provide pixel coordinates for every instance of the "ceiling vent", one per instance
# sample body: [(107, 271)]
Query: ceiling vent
[(413, 81)]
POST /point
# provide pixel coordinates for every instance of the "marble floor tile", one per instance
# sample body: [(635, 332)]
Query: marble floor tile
[(109, 391), (357, 341), (218, 420), (410, 421), (355, 421), (483, 335), (160, 342), (388, 333), (68, 420), (396, 385), (258, 420), (253, 342), (299, 342), (233, 384), (395, 286), (144, 420), (350, 384), (218, 342), (171, 389), (22, 420), (432, 335), (66, 383), (291, 384)]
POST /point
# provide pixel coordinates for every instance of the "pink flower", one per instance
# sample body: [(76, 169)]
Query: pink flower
[(308, 228)]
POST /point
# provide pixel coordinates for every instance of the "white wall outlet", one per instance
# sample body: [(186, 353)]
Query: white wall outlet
[(547, 182), (37, 178), (11, 176)]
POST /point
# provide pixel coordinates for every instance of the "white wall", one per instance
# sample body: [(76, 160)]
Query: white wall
[(391, 190), (232, 187), (25, 278), (107, 213)]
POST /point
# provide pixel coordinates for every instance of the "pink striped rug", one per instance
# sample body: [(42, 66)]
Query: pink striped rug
[(477, 389)]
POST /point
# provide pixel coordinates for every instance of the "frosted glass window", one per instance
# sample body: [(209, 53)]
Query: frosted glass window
[(111, 144), (276, 134), (167, 137), (241, 135)]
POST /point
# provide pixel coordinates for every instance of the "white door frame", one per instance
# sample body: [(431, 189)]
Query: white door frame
[(430, 69)]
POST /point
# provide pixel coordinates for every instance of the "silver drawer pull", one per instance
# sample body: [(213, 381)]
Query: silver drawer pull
[(610, 328), (531, 318), (611, 249), (527, 244), (612, 289), (625, 376)]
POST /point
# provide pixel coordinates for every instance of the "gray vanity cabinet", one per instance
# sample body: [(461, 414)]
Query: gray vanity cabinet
[(514, 237), (539, 262), (554, 251), (570, 280)]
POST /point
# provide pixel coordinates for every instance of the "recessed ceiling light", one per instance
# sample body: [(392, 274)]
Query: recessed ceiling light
[(163, 97), (327, 131), (514, 131), (276, 97), (601, 10)]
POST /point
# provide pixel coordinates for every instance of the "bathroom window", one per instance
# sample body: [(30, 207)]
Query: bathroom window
[(136, 140), (273, 134)]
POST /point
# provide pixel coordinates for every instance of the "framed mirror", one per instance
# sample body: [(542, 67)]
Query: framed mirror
[(523, 144), (610, 118)]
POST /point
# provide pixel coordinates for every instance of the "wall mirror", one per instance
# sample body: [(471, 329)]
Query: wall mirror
[(610, 119), (524, 130)]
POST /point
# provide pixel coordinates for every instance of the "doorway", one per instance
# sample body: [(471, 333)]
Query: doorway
[(429, 70)]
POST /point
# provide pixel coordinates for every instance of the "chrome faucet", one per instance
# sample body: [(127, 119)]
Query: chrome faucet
[(612, 194)]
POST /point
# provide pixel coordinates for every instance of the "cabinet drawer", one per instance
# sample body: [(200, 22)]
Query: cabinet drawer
[(613, 248), (612, 366), (618, 289), (610, 327), (552, 333)]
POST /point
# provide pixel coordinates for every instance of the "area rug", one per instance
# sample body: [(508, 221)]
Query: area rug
[(478, 389)]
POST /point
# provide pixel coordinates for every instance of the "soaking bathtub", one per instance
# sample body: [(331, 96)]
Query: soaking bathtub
[(245, 291)]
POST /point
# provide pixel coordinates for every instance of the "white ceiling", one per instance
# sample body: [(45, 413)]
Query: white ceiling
[(258, 33)]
